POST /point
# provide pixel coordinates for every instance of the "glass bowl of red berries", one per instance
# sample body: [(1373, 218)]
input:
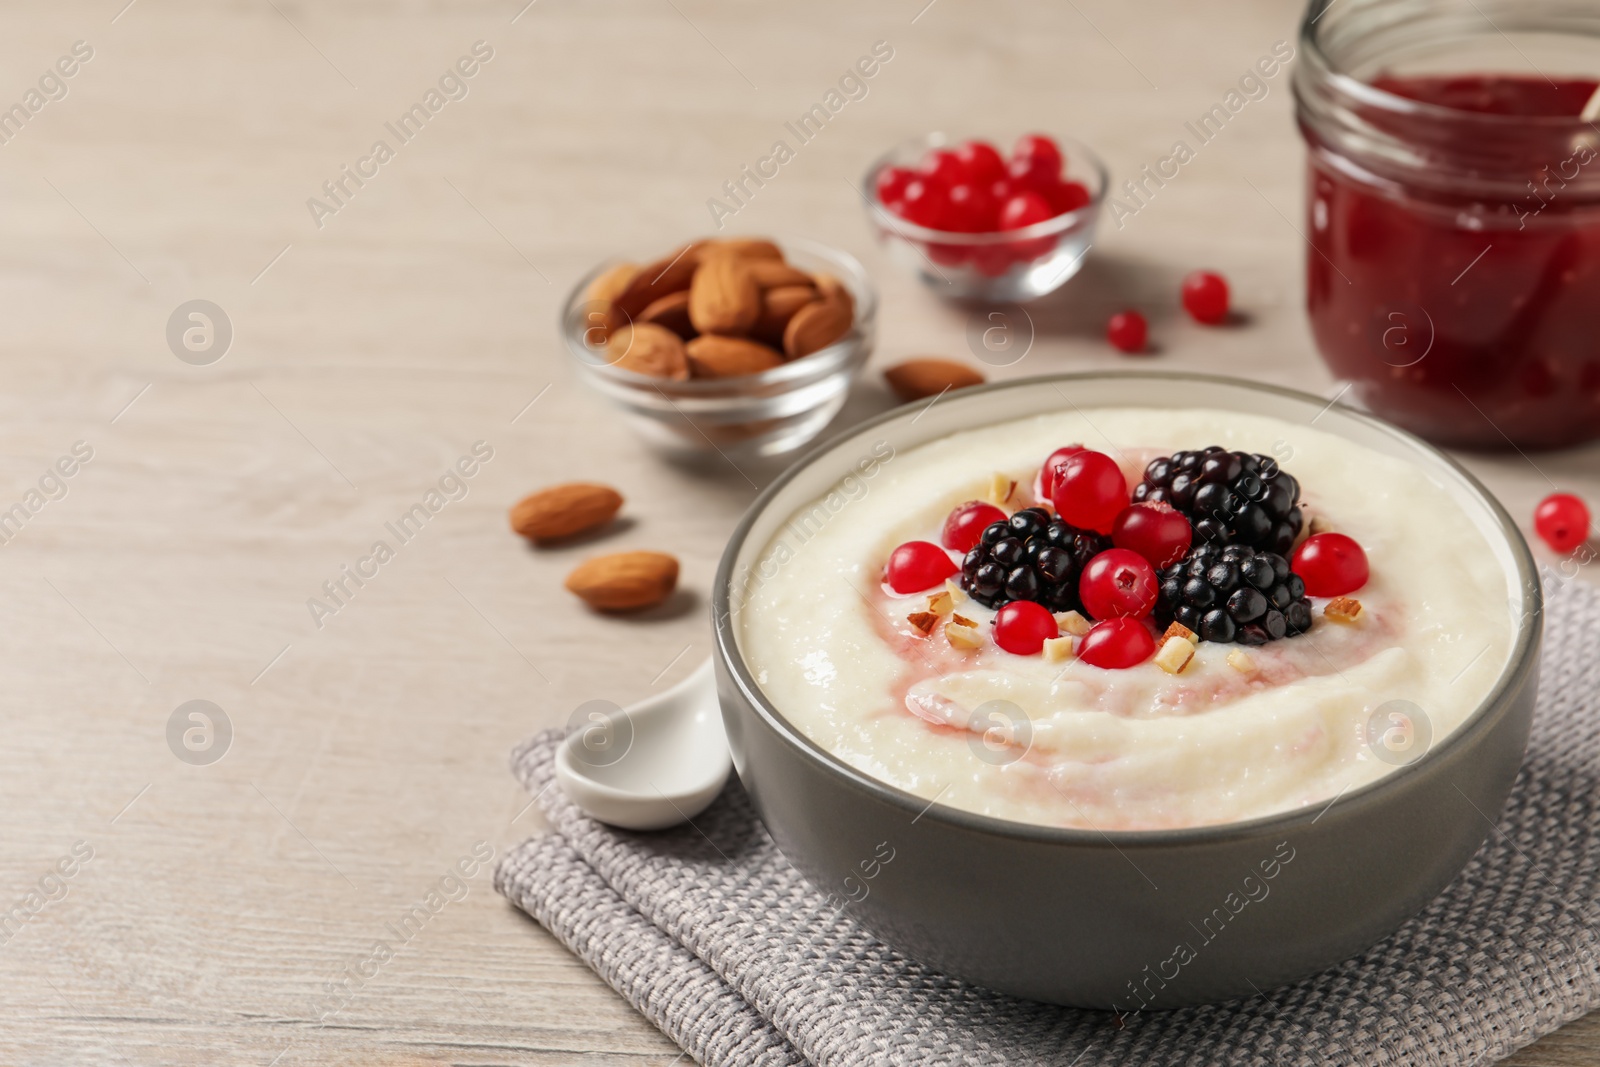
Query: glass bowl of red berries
[(975, 224)]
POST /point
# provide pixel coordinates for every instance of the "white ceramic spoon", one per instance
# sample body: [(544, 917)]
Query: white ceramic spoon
[(661, 762)]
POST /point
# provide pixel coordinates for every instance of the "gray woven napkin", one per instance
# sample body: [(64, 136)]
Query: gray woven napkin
[(711, 934)]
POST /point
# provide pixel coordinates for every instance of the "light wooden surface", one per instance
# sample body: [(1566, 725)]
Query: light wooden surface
[(369, 755)]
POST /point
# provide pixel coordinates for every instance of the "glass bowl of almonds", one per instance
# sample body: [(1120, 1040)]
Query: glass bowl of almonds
[(741, 347)]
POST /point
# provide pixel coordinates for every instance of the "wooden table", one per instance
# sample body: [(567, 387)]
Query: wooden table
[(371, 346)]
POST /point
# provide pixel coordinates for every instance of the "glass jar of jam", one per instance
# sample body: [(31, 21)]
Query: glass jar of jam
[(1453, 203)]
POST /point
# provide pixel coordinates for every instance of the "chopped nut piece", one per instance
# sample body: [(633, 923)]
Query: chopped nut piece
[(1073, 622), (1178, 629), (1346, 609), (953, 587), (923, 620), (941, 603), (962, 620), (1175, 654), (1057, 649), (1240, 661), (1001, 489), (963, 634)]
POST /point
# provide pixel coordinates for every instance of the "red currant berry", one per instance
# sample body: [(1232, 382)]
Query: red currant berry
[(1118, 584), (1090, 491), (927, 204), (972, 209), (981, 162), (1068, 196), (1024, 209), (1052, 468), (966, 524), (1330, 564), (891, 183), (1156, 531), (1205, 297), (943, 167), (1037, 156), (1022, 627), (918, 565), (1127, 331), (1117, 644), (1563, 521)]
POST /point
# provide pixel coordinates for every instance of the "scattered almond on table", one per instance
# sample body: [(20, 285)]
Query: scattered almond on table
[(625, 581), (718, 308), (917, 379), (563, 511)]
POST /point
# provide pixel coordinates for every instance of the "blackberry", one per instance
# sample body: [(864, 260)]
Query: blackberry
[(1234, 593), (1231, 498), (1030, 556)]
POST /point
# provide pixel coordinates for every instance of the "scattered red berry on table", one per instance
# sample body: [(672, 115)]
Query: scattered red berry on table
[(1052, 468), (1156, 530), (1116, 644), (917, 565), (981, 162), (1205, 297), (1118, 584), (1331, 564), (1090, 491), (1022, 627), (1127, 331), (966, 524), (1563, 521)]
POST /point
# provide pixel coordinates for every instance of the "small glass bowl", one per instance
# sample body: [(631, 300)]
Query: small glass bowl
[(748, 417), (1001, 267)]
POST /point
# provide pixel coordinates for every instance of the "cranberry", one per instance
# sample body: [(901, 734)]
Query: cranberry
[(1563, 521), (966, 524), (1330, 564), (1052, 468), (927, 204), (1127, 331), (1068, 196), (1116, 644), (943, 167), (1205, 297), (1002, 190), (1155, 530), (1025, 209), (1035, 162), (1118, 583), (981, 162), (992, 262), (1022, 627), (918, 565), (1090, 491), (972, 209), (891, 183)]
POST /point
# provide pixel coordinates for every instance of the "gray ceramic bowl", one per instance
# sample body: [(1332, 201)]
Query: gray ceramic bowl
[(1101, 920)]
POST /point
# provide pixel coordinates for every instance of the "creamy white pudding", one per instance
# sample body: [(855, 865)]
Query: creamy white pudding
[(1064, 743)]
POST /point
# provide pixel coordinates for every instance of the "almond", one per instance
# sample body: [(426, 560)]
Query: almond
[(724, 297), (713, 356), (745, 247), (654, 281), (609, 284), (1176, 654), (916, 379), (816, 326), (564, 510), (829, 286), (924, 621), (671, 311), (646, 348), (625, 581), (773, 273), (778, 306)]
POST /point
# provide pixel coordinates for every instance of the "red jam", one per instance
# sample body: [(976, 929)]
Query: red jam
[(1460, 291)]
